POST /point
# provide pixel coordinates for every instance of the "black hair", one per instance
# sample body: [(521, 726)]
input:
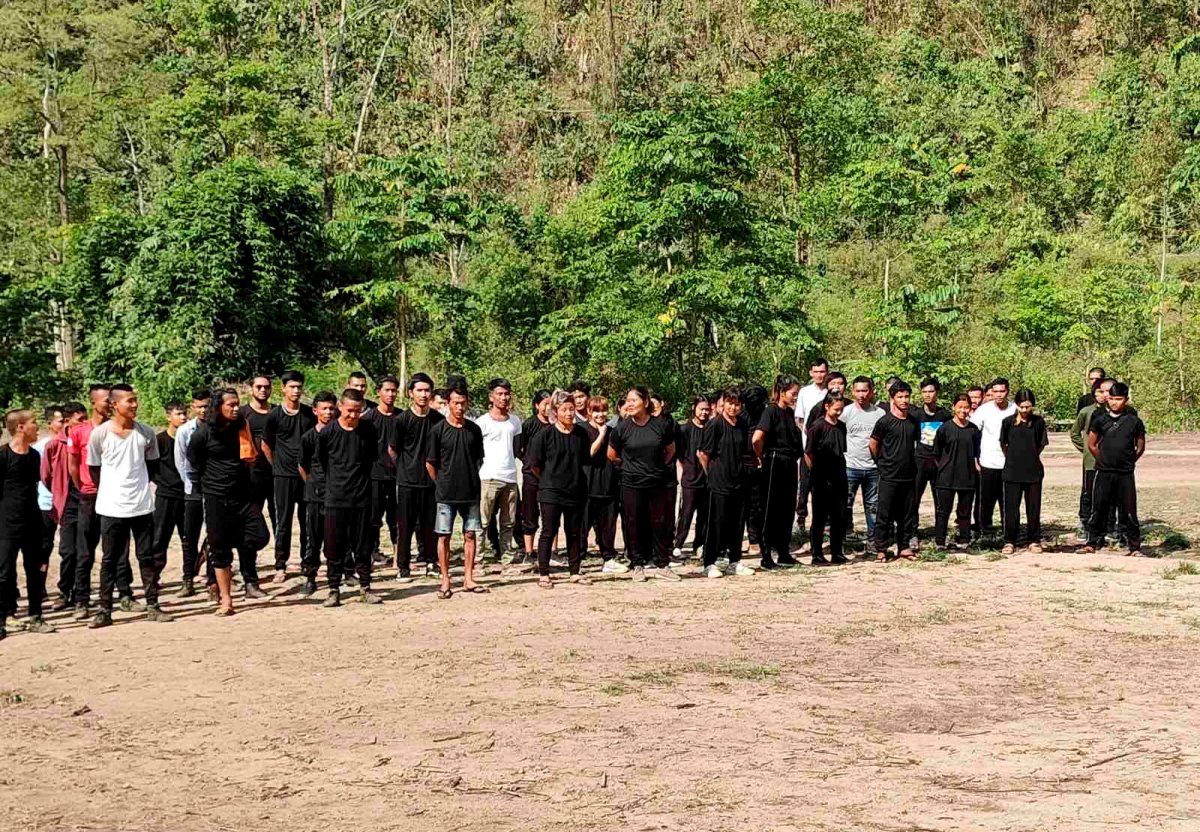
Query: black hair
[(292, 375), (899, 386), (1098, 383), (120, 388), (419, 378), (695, 401), (1100, 370), (499, 384), (999, 381), (1119, 389), (732, 392), (962, 397), (833, 375), (441, 393), (932, 382), (174, 407), (783, 383), (456, 380), (352, 395), (71, 408), (1025, 395), (105, 386), (257, 376), (540, 396), (867, 380), (50, 410), (975, 389), (386, 379), (580, 386), (357, 374), (202, 394), (754, 399), (819, 361), (459, 387), (325, 396), (642, 392), (830, 399), (214, 417)]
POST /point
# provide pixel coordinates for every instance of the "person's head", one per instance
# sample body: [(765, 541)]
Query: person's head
[(357, 380), (962, 406), (53, 417), (597, 410), (440, 399), (1118, 397), (999, 389), (818, 371), (899, 394), (542, 406), (785, 390), (325, 406), (124, 401), (260, 388), (350, 407), (836, 382), (1025, 402), (832, 405), (1101, 390), (99, 398), (293, 385), (863, 390), (562, 405), (582, 391), (389, 388), (658, 405), (975, 397), (701, 409), (74, 413), (1094, 375), (731, 402), (500, 394), (637, 402), (456, 401), (930, 388), (224, 407), (201, 396), (887, 385), (420, 389), (22, 423), (754, 401), (176, 413)]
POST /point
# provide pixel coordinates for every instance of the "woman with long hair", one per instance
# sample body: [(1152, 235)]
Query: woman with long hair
[(825, 455), (692, 480), (754, 404), (778, 445), (1023, 436), (604, 487)]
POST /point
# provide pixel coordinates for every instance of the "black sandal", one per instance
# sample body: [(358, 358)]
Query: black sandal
[(444, 594)]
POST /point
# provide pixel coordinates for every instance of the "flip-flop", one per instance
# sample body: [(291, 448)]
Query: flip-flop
[(444, 594), (224, 612), (545, 583), (478, 589)]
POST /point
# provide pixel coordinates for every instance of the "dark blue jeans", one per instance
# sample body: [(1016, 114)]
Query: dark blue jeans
[(868, 479)]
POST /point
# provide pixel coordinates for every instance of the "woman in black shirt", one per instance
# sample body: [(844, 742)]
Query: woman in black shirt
[(956, 449), (1022, 438), (778, 443), (825, 457), (604, 486), (528, 515), (722, 453), (692, 478), (754, 404), (558, 456)]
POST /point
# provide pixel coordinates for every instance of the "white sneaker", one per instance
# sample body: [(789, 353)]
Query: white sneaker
[(741, 570), (402, 578), (614, 567), (675, 565), (639, 574), (714, 571), (555, 563), (677, 554)]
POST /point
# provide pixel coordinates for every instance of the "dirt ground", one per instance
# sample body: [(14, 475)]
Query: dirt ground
[(1056, 691)]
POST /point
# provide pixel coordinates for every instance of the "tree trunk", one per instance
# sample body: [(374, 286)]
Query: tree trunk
[(370, 93)]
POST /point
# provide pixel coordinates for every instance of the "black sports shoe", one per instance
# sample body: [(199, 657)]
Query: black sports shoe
[(308, 589), (839, 559), (334, 599), (100, 619), (818, 559), (61, 604), (768, 564), (188, 588), (788, 560)]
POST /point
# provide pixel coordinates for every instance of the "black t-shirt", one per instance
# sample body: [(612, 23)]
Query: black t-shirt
[(604, 478), (347, 457), (672, 463), (563, 461), (687, 441), (216, 459), (282, 435), (929, 424), (642, 450), (1022, 446), (411, 443), (530, 428), (1118, 440), (384, 469), (781, 434), (827, 445), (457, 454), (19, 475), (258, 424), (167, 482), (957, 451), (725, 445), (314, 486), (897, 439)]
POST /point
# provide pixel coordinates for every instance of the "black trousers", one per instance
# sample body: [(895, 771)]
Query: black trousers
[(1086, 492), (943, 502), (895, 505), (416, 513), (528, 510), (802, 491), (87, 538), (115, 534), (68, 531), (781, 477), (726, 516), (1031, 493), (647, 516), (926, 475), (193, 523), (1115, 489), (601, 518), (289, 498), (991, 494), (235, 524), (693, 504), (314, 520), (347, 545), (28, 542), (829, 493), (168, 519), (262, 492), (383, 510), (570, 519), (753, 505), (664, 543)]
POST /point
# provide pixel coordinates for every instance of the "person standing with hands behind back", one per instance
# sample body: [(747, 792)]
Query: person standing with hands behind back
[(893, 444), (288, 421), (21, 521), (559, 457), (1023, 436), (956, 446), (1117, 438), (722, 454), (825, 455)]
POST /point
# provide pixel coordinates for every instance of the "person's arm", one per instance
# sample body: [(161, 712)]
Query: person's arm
[(614, 448), (703, 458), (305, 461), (1140, 443), (1077, 431), (73, 470), (1005, 432), (1043, 436), (1093, 441), (873, 447), (669, 452), (756, 442), (267, 443), (152, 456), (599, 443), (44, 471), (432, 454)]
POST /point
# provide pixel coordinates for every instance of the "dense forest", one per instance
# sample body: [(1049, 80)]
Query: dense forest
[(675, 192)]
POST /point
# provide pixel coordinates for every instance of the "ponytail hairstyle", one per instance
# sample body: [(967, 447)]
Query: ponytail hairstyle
[(783, 383)]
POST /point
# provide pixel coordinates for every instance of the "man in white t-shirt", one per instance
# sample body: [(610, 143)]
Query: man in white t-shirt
[(860, 417), (122, 453), (809, 396), (498, 474), (988, 417)]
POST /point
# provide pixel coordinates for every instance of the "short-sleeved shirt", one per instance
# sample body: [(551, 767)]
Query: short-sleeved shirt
[(1023, 445), (672, 463), (168, 484), (725, 445), (642, 449), (385, 424), (258, 425), (897, 440), (827, 446), (530, 428), (563, 460), (411, 444), (1118, 437), (782, 437), (957, 451), (604, 478), (456, 453), (215, 455), (314, 485), (860, 422), (499, 448), (19, 477), (77, 446), (687, 442), (282, 434), (988, 418), (810, 396), (929, 424), (45, 497), (347, 457), (124, 488)]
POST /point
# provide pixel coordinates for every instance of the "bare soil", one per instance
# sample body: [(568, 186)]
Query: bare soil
[(1055, 691)]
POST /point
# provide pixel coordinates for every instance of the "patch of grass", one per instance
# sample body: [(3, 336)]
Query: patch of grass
[(662, 677), (42, 669), (1192, 621), (933, 556), (614, 689), (955, 560), (1103, 568), (937, 615), (1184, 567), (1175, 542), (11, 697), (992, 557), (745, 671), (852, 631)]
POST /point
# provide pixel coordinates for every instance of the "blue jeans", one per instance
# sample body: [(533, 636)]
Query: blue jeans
[(869, 480)]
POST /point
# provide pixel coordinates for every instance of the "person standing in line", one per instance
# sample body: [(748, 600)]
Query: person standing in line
[(642, 445), (501, 430), (168, 485), (383, 417), (694, 503), (835, 383), (347, 450), (1094, 376), (660, 410), (930, 417), (1023, 437), (558, 457), (262, 480), (193, 501), (754, 404), (825, 457), (956, 448), (989, 417), (221, 454), (975, 397), (893, 447), (1079, 430), (860, 417), (439, 401), (357, 380), (454, 457), (581, 392), (809, 397), (63, 511), (722, 455), (1117, 439), (778, 445), (416, 504), (313, 473), (539, 420), (21, 521), (288, 421), (604, 488), (123, 459)]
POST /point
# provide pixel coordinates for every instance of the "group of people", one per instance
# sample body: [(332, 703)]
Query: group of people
[(745, 462)]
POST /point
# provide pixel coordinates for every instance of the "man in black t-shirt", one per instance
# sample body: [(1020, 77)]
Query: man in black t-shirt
[(287, 422), (1117, 439), (21, 521), (383, 475), (262, 481), (168, 486), (416, 506), (893, 446), (453, 460), (930, 416), (313, 474)]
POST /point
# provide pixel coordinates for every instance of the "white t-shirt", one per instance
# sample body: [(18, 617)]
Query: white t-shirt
[(499, 461), (808, 398), (860, 422), (124, 489), (988, 418)]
